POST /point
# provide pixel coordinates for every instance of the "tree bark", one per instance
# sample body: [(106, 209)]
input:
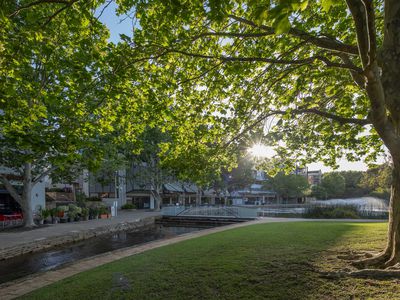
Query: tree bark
[(382, 74), (23, 200), (392, 251), (26, 196)]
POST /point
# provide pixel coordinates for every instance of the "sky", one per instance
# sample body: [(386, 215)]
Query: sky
[(123, 25), (116, 24)]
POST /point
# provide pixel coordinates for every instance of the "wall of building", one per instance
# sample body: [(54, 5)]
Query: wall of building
[(38, 196)]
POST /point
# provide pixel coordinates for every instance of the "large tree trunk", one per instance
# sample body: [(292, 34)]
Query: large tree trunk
[(156, 192), (391, 255), (382, 75), (23, 200), (392, 251), (27, 196)]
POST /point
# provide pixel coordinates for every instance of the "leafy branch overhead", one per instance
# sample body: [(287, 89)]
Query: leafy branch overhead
[(249, 64)]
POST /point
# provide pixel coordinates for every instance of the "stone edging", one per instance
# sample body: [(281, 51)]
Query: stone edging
[(19, 287), (53, 241)]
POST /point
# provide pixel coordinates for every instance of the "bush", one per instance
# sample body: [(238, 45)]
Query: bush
[(93, 212), (381, 193), (94, 198), (332, 212), (103, 210), (128, 206), (85, 212), (81, 199)]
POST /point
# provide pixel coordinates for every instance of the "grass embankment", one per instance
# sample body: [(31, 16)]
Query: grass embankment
[(268, 261)]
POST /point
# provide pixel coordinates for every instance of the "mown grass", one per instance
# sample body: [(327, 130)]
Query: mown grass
[(267, 261)]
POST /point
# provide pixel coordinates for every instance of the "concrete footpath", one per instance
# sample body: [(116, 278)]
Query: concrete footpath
[(16, 241), (23, 286)]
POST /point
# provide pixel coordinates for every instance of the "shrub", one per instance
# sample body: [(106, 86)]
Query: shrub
[(81, 199), (332, 212), (94, 198), (93, 211), (103, 210), (128, 206), (85, 212), (45, 213)]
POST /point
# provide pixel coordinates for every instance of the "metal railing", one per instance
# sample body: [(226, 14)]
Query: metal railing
[(211, 211)]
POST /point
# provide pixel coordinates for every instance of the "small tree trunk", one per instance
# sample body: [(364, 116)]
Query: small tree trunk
[(23, 200), (156, 192), (198, 197), (26, 196), (392, 251), (391, 255)]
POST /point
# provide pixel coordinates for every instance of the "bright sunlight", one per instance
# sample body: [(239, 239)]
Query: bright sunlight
[(261, 151)]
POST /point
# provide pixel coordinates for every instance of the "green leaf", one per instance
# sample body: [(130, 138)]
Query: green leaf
[(327, 4), (282, 25)]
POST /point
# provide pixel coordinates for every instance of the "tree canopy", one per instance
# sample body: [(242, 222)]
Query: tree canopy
[(65, 97), (290, 186), (238, 64)]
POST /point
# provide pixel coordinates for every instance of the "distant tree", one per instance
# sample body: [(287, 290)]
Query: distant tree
[(319, 192), (334, 184), (146, 165), (290, 186), (352, 181), (376, 181), (242, 175), (62, 90)]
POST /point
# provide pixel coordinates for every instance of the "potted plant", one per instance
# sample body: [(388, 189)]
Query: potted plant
[(74, 212), (93, 213), (85, 214), (128, 206), (54, 215), (46, 216), (103, 212), (39, 216), (61, 211)]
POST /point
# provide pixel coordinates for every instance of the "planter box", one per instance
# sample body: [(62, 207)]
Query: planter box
[(104, 216)]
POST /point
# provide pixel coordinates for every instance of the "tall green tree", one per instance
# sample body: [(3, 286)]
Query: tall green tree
[(326, 70), (352, 187), (242, 175), (63, 92), (334, 185), (290, 186), (376, 181)]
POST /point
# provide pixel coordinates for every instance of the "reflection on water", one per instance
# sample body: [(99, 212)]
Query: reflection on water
[(50, 259), (363, 204)]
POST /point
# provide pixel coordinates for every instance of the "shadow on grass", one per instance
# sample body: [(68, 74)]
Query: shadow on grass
[(268, 261)]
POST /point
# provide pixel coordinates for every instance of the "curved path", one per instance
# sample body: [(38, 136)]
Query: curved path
[(23, 286)]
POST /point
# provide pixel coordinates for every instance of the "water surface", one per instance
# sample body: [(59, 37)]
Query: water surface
[(53, 258)]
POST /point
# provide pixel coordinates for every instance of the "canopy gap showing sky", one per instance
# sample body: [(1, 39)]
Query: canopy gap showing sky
[(123, 24)]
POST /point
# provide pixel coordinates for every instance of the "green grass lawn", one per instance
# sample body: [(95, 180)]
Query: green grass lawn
[(267, 261)]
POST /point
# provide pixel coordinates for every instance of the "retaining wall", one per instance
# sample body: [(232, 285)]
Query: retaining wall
[(71, 237)]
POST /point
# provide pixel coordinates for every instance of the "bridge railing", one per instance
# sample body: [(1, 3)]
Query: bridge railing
[(211, 211)]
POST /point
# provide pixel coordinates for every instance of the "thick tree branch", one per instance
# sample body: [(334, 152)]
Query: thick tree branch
[(51, 17), (321, 42), (363, 15), (357, 10), (44, 174), (358, 77), (370, 20), (232, 34), (13, 192), (309, 60), (337, 118), (35, 3), (294, 112)]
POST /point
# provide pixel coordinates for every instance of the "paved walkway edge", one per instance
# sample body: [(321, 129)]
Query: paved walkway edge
[(73, 236), (17, 288)]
